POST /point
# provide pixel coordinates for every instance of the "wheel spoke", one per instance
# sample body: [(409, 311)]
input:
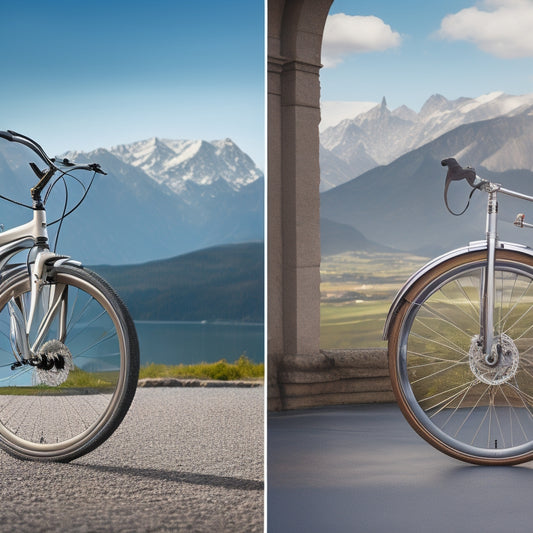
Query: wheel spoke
[(78, 386), (471, 408), (447, 401)]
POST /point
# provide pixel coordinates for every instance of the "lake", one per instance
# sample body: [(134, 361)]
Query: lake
[(175, 343)]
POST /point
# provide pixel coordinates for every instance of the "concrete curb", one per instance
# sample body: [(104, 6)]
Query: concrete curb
[(175, 382)]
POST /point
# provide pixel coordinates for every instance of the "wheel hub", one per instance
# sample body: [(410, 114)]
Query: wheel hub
[(55, 364), (504, 352)]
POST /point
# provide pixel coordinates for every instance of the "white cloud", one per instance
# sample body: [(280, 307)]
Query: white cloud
[(501, 27), (347, 34)]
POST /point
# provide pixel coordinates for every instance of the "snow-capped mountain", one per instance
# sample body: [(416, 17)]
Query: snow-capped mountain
[(174, 163), (380, 135), (160, 199)]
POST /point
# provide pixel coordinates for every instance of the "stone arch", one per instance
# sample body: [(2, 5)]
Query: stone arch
[(299, 373), (295, 29)]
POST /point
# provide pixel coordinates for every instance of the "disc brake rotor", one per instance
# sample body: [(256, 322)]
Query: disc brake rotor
[(56, 363), (503, 370)]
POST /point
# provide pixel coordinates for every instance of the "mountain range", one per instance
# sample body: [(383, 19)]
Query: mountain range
[(379, 136), (161, 198), (180, 163), (400, 205)]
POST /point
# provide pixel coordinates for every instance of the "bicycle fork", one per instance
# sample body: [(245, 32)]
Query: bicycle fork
[(486, 337), (46, 302)]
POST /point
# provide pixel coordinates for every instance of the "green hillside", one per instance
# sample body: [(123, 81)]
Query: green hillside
[(219, 283)]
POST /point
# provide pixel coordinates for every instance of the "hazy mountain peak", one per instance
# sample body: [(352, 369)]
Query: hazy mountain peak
[(381, 111), (434, 103), (484, 98), (413, 184), (405, 113), (381, 136), (223, 142)]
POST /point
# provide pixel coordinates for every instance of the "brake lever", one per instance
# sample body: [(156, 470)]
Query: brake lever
[(97, 168)]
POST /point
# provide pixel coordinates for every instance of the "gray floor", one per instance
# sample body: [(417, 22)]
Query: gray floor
[(363, 469)]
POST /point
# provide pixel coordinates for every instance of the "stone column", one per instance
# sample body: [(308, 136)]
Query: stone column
[(299, 374), (294, 48)]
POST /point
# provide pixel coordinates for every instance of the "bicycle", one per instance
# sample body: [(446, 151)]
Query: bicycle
[(69, 354), (460, 342)]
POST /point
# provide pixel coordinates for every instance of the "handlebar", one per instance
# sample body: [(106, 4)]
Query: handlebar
[(13, 136), (95, 167), (46, 175)]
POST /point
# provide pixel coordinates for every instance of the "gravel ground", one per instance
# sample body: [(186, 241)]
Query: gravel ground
[(184, 459)]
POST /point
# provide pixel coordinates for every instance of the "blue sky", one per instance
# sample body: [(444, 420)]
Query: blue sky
[(484, 46), (81, 74)]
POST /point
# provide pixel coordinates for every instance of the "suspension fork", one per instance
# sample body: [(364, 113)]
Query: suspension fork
[(56, 298), (488, 285)]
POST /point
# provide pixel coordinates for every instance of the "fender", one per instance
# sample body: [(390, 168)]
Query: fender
[(475, 246), (9, 270)]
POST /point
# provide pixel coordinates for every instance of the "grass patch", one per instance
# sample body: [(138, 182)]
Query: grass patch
[(78, 382), (242, 368), (78, 378)]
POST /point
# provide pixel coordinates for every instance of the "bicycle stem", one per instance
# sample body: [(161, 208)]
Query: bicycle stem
[(36, 191), (487, 307)]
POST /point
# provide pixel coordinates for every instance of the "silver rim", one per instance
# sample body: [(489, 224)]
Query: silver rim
[(50, 420), (478, 410)]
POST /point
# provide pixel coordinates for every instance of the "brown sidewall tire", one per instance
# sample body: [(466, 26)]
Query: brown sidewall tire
[(393, 349)]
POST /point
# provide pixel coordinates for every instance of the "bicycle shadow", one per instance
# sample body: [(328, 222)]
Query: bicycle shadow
[(483, 473), (174, 476)]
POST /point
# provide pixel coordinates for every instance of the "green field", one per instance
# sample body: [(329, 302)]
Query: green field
[(357, 289)]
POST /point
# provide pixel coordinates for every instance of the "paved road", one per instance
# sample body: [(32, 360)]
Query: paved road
[(184, 459), (363, 469)]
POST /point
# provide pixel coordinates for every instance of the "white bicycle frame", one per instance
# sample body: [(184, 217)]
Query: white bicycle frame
[(34, 236)]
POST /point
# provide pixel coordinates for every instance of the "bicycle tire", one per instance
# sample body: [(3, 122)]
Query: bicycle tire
[(449, 394), (59, 422)]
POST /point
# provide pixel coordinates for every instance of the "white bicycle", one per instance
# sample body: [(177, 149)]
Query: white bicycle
[(460, 336), (69, 355)]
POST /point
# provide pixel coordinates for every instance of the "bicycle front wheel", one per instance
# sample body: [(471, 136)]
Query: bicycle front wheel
[(78, 394), (474, 411)]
